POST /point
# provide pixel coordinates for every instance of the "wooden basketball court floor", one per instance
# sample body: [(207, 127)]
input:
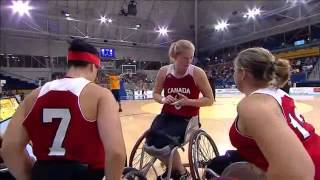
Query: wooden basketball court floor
[(216, 120)]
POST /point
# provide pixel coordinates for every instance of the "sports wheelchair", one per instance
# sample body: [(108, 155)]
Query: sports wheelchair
[(201, 148)]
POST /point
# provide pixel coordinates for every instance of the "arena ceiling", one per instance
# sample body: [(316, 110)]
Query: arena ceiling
[(188, 19)]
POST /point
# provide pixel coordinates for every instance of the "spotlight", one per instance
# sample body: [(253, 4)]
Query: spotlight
[(222, 25), (109, 20), (163, 31), (252, 13), (103, 19), (21, 7)]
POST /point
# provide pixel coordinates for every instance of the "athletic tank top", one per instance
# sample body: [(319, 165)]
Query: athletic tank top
[(184, 85), (114, 82), (58, 129), (249, 149)]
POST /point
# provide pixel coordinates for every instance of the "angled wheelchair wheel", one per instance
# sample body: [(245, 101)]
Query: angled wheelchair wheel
[(201, 150), (146, 164)]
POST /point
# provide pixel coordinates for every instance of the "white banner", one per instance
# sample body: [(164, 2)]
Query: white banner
[(305, 91), (228, 91), (146, 95)]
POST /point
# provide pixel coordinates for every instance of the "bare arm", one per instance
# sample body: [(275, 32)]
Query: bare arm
[(262, 120), (203, 84), (15, 140), (158, 86), (110, 131)]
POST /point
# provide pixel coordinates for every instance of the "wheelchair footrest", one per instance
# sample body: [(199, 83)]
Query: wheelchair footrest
[(162, 152)]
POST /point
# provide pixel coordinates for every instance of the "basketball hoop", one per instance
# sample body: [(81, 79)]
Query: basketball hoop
[(129, 69), (129, 72)]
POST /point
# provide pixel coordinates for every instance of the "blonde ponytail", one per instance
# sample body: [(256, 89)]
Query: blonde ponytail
[(281, 72), (264, 66)]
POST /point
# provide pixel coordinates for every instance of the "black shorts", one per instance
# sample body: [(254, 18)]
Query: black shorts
[(5, 175), (174, 126), (116, 94), (218, 164), (64, 170)]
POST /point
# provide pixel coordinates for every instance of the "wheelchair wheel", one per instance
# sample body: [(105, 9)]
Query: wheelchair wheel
[(144, 162), (201, 150)]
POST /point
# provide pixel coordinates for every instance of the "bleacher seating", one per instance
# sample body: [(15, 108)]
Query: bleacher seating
[(302, 67), (222, 71), (300, 53)]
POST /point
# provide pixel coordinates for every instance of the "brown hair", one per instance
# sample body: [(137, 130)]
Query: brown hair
[(264, 66), (179, 47)]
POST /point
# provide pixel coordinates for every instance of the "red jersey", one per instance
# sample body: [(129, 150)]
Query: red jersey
[(184, 85), (58, 129), (249, 149)]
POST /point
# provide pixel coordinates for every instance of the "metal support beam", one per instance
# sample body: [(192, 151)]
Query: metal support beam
[(129, 35), (44, 35), (83, 34)]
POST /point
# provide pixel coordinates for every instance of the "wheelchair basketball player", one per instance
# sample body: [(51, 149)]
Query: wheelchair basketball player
[(73, 125), (182, 83), (268, 132)]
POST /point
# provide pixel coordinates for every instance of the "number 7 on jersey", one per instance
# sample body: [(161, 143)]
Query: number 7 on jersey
[(64, 114)]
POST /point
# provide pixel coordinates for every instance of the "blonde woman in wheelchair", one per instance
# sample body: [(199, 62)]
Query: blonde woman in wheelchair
[(268, 132), (182, 83)]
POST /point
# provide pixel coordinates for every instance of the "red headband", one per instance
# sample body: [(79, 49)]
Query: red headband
[(83, 56)]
